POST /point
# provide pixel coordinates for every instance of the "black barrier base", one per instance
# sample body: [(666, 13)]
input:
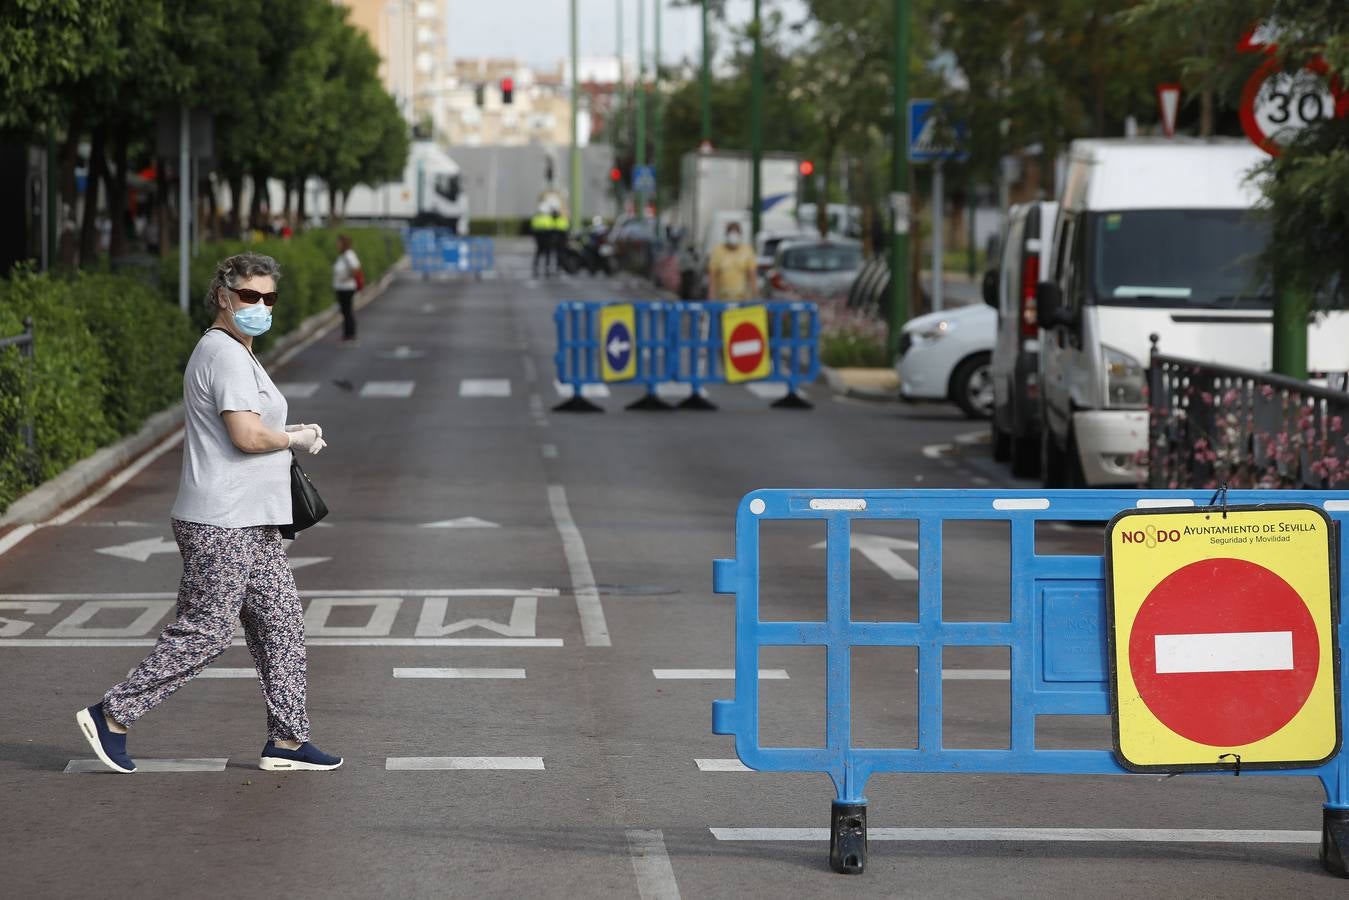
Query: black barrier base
[(1335, 841), (578, 404), (848, 838), (697, 401), (650, 403), (792, 401)]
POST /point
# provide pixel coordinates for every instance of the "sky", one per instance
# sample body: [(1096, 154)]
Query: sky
[(536, 30)]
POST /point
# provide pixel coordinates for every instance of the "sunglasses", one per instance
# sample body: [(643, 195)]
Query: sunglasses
[(251, 296)]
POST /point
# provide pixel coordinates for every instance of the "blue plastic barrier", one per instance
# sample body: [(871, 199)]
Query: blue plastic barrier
[(681, 343), (436, 250), (1056, 634), (578, 351)]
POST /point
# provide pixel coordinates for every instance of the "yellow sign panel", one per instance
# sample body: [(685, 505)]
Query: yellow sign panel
[(745, 351), (618, 342), (1222, 638)]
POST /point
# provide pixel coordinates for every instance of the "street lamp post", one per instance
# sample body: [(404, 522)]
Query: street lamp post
[(756, 125), (705, 88), (657, 131), (575, 158), (641, 102), (899, 181)]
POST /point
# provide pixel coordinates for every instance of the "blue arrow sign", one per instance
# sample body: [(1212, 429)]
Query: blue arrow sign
[(933, 136), (618, 346)]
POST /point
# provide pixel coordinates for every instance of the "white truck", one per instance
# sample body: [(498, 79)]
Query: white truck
[(716, 188), (431, 192)]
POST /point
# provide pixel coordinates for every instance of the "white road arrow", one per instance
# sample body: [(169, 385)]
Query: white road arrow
[(881, 551), (140, 551), (618, 346), (463, 522)]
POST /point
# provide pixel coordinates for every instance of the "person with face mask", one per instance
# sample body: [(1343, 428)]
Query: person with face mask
[(233, 493), (732, 274)]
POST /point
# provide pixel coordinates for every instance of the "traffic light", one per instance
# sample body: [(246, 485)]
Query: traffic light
[(615, 174), (478, 92), (806, 168), (507, 90)]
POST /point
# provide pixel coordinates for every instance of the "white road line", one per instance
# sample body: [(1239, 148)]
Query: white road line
[(297, 390), (458, 673), (476, 763), (396, 389), (651, 865), (593, 625), (549, 451), (722, 765), (937, 451), (771, 390), (714, 674), (1233, 651), (15, 536), (531, 370), (485, 387), (975, 675), (383, 592), (1132, 835), (589, 391), (312, 642), (149, 766)]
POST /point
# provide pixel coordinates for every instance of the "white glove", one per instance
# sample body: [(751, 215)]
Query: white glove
[(305, 437), (290, 428)]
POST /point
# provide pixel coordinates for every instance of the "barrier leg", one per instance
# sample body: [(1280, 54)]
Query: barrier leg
[(1335, 841), (793, 400), (698, 401), (649, 402), (848, 837)]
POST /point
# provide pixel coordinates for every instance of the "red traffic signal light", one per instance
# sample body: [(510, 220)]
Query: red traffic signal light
[(806, 168), (615, 174), (507, 89)]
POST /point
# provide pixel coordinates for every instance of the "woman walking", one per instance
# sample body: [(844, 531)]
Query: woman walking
[(347, 280), (233, 493)]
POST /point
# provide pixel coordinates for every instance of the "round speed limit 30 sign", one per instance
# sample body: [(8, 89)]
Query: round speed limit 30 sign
[(1222, 638), (1276, 105)]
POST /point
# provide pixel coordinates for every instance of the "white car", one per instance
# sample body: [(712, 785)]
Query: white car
[(946, 355)]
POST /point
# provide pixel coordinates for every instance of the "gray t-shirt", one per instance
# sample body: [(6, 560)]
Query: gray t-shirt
[(222, 485)]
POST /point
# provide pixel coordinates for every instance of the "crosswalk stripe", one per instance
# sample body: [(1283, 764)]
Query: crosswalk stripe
[(297, 390), (589, 391), (458, 673), (472, 763), (485, 387), (150, 766), (387, 389), (1112, 835), (722, 765), (714, 674)]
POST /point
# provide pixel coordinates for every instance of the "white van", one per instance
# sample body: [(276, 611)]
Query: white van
[(1154, 236)]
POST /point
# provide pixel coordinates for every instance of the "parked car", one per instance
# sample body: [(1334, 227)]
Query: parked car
[(1010, 289), (634, 243), (945, 355), (813, 268)]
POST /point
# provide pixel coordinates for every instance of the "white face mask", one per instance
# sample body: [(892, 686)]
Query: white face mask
[(733, 239)]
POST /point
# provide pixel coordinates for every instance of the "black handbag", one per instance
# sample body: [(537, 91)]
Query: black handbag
[(307, 507)]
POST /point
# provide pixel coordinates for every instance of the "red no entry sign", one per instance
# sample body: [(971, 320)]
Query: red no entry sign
[(1224, 652), (746, 348), (1222, 629)]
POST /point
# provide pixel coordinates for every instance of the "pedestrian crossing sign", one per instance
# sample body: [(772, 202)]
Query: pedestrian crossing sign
[(618, 342), (1222, 631)]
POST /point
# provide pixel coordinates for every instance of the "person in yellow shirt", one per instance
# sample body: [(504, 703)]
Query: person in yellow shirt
[(731, 272)]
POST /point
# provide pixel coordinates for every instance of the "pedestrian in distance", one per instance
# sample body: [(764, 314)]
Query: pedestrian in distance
[(541, 226), (732, 272), (233, 497), (348, 278), (559, 229)]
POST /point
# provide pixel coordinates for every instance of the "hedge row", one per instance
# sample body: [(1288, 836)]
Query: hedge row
[(110, 349)]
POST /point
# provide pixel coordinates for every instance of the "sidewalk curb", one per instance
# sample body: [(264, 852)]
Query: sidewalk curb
[(45, 500), (839, 385)]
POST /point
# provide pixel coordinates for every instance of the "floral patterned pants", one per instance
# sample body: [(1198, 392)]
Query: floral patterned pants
[(229, 574)]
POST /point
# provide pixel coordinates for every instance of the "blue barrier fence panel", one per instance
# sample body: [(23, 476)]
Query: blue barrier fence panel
[(1056, 632), (794, 338), (695, 344), (578, 343)]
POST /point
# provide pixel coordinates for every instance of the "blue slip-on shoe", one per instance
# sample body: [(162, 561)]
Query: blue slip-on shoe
[(306, 759), (110, 746)]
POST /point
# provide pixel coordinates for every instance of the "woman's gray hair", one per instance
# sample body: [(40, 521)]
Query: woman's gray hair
[(234, 270)]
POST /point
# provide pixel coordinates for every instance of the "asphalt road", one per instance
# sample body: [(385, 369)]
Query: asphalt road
[(465, 512)]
